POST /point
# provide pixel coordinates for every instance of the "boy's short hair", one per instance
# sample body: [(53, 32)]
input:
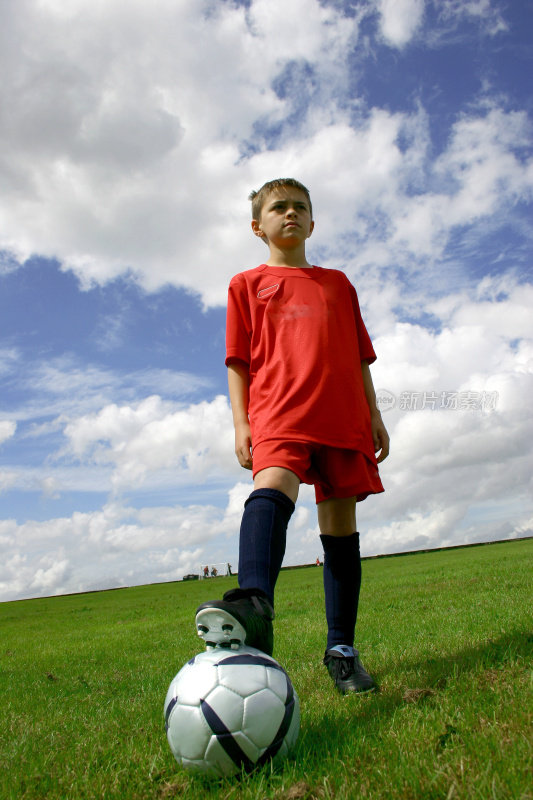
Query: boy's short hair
[(258, 198)]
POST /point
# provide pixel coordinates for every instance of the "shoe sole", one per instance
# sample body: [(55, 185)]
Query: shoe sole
[(362, 690), (219, 628)]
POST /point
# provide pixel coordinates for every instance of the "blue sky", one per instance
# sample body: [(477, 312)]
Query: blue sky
[(130, 142)]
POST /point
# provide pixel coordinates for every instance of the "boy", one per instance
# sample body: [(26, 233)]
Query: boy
[(304, 411)]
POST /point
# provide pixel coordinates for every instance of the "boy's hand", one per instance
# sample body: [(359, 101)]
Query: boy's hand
[(379, 431), (380, 437), (243, 445)]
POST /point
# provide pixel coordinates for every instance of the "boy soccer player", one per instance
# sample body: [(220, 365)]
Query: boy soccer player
[(304, 411)]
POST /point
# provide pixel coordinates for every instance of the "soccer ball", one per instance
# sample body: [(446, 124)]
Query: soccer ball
[(229, 710)]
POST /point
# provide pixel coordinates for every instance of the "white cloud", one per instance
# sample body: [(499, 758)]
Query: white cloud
[(153, 437), (482, 344), (300, 29), (154, 143), (64, 386), (8, 358), (400, 19), (50, 575), (125, 155), (383, 201), (484, 12), (115, 546), (8, 479), (7, 430), (50, 487), (65, 397), (456, 475), (484, 170)]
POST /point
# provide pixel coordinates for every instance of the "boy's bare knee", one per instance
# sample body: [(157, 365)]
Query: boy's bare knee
[(336, 517), (278, 478)]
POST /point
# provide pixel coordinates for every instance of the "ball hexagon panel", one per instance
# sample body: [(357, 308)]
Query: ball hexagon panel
[(263, 715), (277, 681), (194, 681), (188, 732), (294, 727), (248, 747), (202, 765), (249, 681), (228, 756), (228, 706)]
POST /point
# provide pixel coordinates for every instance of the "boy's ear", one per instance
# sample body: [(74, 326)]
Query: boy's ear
[(311, 228), (257, 229)]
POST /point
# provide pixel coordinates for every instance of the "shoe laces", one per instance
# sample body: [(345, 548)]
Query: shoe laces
[(345, 666), (263, 608)]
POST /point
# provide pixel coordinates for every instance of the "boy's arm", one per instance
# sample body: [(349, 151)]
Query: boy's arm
[(379, 432), (238, 383)]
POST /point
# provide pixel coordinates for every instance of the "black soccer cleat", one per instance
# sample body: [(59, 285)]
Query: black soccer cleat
[(243, 616), (347, 672)]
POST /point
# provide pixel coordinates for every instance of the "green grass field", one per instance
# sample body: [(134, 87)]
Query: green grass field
[(447, 634)]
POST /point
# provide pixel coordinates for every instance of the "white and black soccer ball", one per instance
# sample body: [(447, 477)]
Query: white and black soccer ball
[(230, 710)]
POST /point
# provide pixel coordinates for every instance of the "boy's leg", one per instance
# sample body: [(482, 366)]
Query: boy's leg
[(342, 568), (263, 531), (245, 614), (284, 480), (342, 582)]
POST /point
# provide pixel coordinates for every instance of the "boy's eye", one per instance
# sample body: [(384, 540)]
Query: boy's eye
[(282, 206)]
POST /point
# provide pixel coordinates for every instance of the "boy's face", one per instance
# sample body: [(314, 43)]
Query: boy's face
[(285, 218)]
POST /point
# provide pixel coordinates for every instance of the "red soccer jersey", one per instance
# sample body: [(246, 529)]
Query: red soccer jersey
[(301, 334)]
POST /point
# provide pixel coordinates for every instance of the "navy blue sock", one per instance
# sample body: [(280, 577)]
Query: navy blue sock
[(342, 582), (262, 539)]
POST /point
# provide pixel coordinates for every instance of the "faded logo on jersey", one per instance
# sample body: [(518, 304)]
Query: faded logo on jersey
[(268, 291)]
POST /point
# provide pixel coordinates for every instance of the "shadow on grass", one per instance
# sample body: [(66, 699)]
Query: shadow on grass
[(493, 653), (326, 733)]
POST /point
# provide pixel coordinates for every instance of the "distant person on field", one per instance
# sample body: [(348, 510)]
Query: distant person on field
[(206, 572), (214, 572), (304, 411)]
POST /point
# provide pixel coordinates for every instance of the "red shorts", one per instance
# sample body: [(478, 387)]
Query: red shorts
[(334, 471)]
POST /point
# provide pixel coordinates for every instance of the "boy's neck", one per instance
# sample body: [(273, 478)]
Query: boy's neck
[(291, 259)]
